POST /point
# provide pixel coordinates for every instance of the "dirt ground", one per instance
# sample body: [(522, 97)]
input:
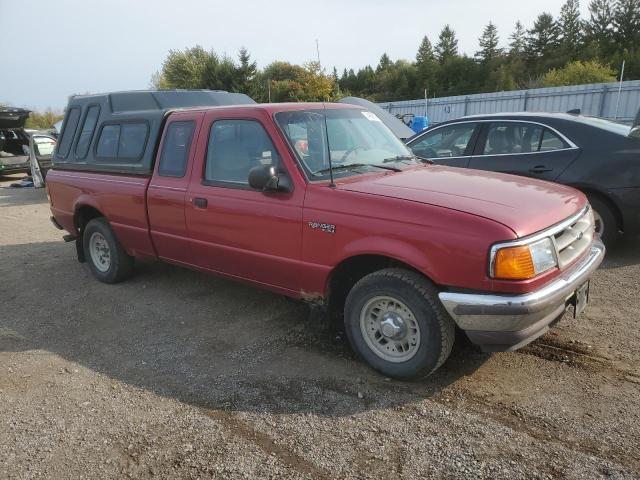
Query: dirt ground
[(175, 374)]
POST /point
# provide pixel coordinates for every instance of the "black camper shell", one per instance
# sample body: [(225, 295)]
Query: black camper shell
[(119, 132)]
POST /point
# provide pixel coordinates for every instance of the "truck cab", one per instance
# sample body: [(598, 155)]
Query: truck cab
[(321, 202)]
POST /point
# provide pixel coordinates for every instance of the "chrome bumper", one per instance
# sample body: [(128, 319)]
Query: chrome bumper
[(508, 322)]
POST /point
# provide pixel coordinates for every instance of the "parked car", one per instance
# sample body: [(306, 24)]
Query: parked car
[(596, 156), (321, 202), (15, 141)]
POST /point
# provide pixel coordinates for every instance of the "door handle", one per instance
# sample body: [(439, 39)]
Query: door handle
[(540, 169), (199, 202)]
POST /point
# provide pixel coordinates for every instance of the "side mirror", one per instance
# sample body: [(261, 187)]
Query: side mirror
[(267, 179)]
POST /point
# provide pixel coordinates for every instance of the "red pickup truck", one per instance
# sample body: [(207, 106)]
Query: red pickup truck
[(321, 202)]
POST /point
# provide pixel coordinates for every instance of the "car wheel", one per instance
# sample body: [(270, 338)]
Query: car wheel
[(108, 261), (605, 220), (394, 320)]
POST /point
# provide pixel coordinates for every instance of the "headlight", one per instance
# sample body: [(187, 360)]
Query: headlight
[(521, 262)]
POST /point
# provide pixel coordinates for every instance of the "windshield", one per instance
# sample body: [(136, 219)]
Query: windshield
[(357, 141)]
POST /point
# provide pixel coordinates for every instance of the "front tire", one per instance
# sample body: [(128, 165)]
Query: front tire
[(605, 219), (395, 322), (108, 261)]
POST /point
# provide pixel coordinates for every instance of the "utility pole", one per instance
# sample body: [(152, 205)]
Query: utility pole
[(318, 51), (615, 117), (269, 88), (426, 106)]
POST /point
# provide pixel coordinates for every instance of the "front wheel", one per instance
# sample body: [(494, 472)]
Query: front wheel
[(606, 225), (108, 261), (394, 320)]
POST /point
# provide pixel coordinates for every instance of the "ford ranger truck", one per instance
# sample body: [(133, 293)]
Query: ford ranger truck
[(321, 202)]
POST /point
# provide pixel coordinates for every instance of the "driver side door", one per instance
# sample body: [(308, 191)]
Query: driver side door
[(236, 230), (450, 144)]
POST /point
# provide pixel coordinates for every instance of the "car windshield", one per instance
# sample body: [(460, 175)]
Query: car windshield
[(357, 141)]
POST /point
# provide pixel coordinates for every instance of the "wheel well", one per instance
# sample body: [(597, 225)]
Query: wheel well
[(347, 273), (606, 199), (83, 215)]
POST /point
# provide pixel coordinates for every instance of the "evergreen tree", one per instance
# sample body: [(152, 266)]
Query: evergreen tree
[(542, 39), (246, 71), (571, 29), (426, 68), (385, 63), (447, 47), (599, 28), (626, 21), (489, 40), (518, 40), (425, 52)]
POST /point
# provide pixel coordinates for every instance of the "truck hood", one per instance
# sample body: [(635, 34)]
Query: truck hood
[(525, 205)]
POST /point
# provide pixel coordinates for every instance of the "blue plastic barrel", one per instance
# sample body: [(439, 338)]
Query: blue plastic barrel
[(419, 123)]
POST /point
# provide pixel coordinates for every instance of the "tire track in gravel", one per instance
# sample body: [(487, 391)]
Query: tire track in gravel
[(519, 421), (256, 353), (581, 356), (242, 430)]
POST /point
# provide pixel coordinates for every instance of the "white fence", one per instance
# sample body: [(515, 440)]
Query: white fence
[(607, 100)]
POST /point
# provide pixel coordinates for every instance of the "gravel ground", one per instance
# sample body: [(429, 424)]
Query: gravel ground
[(182, 375)]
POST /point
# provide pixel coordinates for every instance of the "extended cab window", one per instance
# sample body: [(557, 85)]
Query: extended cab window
[(69, 131), (124, 141), (175, 150), (235, 147), (443, 142), (86, 132)]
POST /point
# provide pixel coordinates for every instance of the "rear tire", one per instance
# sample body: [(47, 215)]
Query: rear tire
[(606, 222), (108, 261), (395, 321)]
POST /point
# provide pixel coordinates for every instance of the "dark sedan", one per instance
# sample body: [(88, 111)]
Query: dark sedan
[(599, 157)]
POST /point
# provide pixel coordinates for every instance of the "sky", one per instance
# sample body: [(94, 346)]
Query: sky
[(80, 46)]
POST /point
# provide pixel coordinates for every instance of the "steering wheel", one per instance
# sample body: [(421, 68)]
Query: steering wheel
[(349, 152), (426, 152)]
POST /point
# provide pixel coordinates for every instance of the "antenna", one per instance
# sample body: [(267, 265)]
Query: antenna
[(326, 135), (318, 51)]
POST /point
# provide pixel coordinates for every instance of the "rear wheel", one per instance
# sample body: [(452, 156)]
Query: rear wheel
[(605, 220), (108, 261), (395, 321)]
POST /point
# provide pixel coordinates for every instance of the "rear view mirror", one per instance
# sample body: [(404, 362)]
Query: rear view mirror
[(267, 179)]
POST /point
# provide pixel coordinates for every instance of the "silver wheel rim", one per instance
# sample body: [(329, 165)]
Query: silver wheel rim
[(390, 329), (598, 223), (100, 252)]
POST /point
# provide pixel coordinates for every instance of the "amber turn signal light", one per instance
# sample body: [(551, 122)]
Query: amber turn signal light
[(514, 263)]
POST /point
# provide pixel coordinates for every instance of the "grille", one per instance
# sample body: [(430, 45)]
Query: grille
[(572, 241)]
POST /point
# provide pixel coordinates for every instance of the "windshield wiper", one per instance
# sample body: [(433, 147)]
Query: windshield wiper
[(399, 158), (425, 160), (356, 165)]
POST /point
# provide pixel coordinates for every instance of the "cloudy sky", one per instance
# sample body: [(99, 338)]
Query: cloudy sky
[(54, 48)]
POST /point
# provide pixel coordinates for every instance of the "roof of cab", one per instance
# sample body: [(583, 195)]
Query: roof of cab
[(149, 100), (280, 107)]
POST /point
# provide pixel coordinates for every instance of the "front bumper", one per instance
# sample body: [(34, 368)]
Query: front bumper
[(508, 322)]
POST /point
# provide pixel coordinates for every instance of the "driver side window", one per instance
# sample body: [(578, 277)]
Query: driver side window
[(444, 142), (235, 147)]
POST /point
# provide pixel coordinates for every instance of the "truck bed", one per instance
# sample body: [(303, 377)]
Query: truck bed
[(121, 198)]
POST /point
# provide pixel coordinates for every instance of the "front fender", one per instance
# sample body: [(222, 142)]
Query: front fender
[(393, 248)]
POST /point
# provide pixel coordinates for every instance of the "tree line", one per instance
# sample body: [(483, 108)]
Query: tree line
[(567, 50)]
